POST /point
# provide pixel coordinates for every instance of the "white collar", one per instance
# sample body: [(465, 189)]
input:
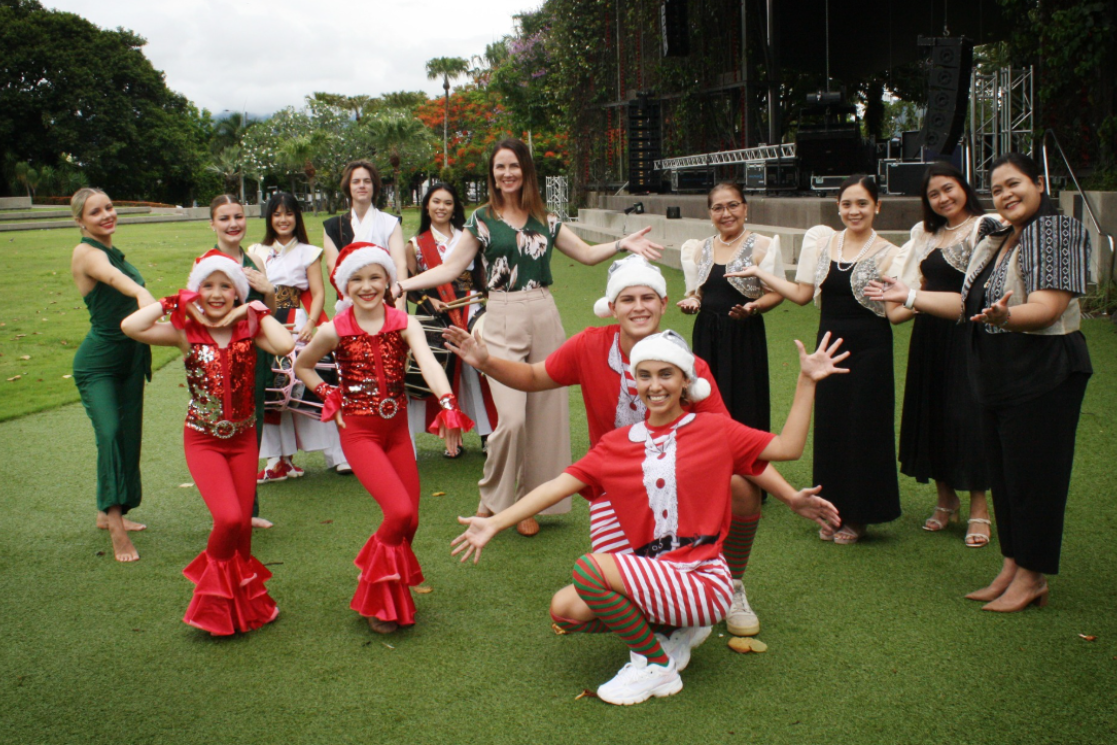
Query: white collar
[(639, 431)]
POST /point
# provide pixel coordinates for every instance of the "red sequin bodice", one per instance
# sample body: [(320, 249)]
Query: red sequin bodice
[(222, 384), (371, 367)]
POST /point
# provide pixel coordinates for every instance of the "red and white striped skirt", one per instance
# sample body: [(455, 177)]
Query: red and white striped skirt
[(672, 596)]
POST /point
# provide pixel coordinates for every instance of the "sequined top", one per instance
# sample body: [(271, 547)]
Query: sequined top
[(222, 381), (372, 366)]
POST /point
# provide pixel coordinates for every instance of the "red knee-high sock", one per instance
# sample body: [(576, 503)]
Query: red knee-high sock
[(571, 626), (616, 611), (738, 544)]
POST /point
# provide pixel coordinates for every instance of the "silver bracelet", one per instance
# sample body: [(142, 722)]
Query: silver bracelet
[(617, 247), (910, 302)]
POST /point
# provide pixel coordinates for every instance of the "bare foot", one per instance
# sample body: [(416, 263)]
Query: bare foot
[(997, 587), (103, 523), (122, 546), (382, 627), (261, 523)]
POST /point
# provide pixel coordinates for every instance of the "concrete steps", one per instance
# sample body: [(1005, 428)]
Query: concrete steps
[(54, 224), (60, 214)]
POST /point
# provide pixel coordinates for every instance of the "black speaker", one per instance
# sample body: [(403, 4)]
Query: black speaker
[(674, 29), (948, 92), (645, 137)]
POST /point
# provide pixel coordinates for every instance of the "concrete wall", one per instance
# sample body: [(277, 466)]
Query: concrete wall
[(1105, 208), (15, 203), (200, 213)]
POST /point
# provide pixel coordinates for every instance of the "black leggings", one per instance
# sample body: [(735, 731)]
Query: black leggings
[(1030, 449)]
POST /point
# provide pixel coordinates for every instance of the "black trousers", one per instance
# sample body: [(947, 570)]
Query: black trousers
[(1030, 447)]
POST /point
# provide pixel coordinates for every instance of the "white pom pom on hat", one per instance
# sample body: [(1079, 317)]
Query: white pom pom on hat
[(668, 346), (631, 271), (215, 261)]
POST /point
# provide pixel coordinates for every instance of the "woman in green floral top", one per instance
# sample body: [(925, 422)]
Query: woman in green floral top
[(515, 238)]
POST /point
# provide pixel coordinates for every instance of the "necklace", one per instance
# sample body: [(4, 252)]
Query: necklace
[(731, 241), (962, 224), (859, 256)]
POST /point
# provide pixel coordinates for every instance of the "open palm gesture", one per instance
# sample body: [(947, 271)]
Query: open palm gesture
[(823, 362)]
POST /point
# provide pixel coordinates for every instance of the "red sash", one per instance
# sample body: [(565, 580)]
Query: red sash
[(432, 259)]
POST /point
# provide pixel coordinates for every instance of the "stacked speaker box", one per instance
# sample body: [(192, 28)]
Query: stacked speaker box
[(645, 136), (674, 29), (948, 92)]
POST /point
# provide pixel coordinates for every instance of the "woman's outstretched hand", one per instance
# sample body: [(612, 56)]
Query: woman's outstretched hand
[(480, 532), (744, 312), (748, 271), (451, 437), (472, 350), (806, 503), (638, 243), (887, 290), (823, 363), (996, 314), (689, 305)]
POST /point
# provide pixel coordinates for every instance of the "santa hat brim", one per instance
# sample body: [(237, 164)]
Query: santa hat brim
[(658, 349), (359, 259), (227, 266)]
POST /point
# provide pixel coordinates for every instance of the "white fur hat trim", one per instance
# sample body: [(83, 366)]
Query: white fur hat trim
[(668, 346), (631, 271), (227, 266), (359, 259)]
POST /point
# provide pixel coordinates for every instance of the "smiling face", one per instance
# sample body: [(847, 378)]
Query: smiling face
[(218, 295), (361, 186), (366, 287), (98, 217), (639, 310), (947, 199), (857, 208), (440, 207), (229, 223), (1016, 197), (728, 211), (660, 386), (283, 223), (507, 174)]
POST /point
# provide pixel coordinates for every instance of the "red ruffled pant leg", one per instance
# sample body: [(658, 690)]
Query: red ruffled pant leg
[(379, 450), (229, 593)]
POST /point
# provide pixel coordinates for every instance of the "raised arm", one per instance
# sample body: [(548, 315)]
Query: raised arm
[(789, 443), (481, 530), (521, 376), (144, 326), (573, 246), (799, 293), (274, 338), (96, 266), (448, 270)]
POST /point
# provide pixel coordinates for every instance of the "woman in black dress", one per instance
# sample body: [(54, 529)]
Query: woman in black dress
[(1028, 366), (729, 331), (939, 436), (854, 445)]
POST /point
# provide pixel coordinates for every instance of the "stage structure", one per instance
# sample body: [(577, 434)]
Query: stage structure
[(1002, 119)]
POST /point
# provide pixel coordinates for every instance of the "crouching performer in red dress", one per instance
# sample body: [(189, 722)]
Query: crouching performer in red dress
[(370, 339), (218, 333), (667, 479)]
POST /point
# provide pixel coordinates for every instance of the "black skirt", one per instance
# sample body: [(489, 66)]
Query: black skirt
[(736, 351), (855, 413), (940, 433)]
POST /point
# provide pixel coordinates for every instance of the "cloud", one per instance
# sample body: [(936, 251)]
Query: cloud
[(263, 56)]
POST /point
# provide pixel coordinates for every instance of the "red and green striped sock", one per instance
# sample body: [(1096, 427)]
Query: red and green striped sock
[(572, 626), (616, 611), (738, 544)]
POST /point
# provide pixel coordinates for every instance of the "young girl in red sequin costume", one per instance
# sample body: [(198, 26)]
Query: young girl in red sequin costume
[(218, 333), (370, 339)]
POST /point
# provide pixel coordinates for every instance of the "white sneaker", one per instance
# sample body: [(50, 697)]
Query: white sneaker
[(638, 681), (682, 641), (741, 620), (344, 469)]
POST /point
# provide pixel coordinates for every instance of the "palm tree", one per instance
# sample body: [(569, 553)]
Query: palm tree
[(27, 176), (446, 68), (392, 131), (228, 165), (299, 153)]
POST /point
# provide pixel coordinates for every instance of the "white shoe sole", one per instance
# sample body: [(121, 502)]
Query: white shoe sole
[(667, 688), (750, 630)]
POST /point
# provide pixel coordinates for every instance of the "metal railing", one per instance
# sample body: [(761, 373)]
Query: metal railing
[(1102, 235)]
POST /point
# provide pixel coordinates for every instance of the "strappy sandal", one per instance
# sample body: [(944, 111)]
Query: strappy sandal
[(455, 456), (978, 540), (847, 535), (951, 517)]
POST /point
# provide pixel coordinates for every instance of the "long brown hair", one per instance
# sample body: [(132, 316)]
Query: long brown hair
[(347, 174), (530, 199)]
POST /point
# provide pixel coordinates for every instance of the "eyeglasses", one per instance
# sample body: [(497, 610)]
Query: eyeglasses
[(717, 209)]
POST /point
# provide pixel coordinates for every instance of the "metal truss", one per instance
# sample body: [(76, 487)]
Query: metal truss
[(558, 197), (1002, 119), (752, 155)]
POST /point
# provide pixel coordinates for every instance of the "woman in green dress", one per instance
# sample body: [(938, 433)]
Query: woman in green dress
[(109, 368)]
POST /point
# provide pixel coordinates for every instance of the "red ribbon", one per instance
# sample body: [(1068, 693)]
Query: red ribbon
[(331, 404)]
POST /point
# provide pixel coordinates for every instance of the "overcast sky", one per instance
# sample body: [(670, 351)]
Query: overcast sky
[(265, 55)]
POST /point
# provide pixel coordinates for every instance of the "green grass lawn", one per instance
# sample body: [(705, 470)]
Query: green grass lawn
[(872, 643)]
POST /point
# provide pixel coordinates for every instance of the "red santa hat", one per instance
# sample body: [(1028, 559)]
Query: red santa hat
[(668, 346), (631, 271), (357, 256), (215, 261)]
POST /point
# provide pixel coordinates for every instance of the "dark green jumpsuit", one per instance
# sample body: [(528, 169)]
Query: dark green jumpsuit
[(109, 369)]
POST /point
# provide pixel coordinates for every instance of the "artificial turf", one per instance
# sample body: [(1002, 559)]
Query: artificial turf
[(869, 643)]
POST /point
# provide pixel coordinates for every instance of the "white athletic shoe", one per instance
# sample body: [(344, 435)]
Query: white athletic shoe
[(343, 468), (638, 681), (682, 641), (741, 620)]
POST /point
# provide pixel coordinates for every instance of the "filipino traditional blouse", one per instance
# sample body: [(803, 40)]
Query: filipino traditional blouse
[(922, 244), (697, 258), (814, 266), (514, 259)]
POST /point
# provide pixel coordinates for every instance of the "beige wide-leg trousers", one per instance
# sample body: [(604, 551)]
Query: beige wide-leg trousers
[(531, 443)]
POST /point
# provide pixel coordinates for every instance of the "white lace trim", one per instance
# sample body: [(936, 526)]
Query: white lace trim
[(659, 478), (630, 409)]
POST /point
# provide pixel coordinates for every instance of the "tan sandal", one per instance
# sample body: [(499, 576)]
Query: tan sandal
[(951, 517), (978, 540), (847, 535)]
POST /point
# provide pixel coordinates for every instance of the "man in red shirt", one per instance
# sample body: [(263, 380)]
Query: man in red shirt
[(597, 358)]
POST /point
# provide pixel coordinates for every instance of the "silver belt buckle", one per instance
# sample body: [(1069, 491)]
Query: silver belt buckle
[(224, 429), (394, 407)]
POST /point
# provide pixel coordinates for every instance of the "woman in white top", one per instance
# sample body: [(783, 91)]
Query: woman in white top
[(440, 230), (360, 181), (294, 267)]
